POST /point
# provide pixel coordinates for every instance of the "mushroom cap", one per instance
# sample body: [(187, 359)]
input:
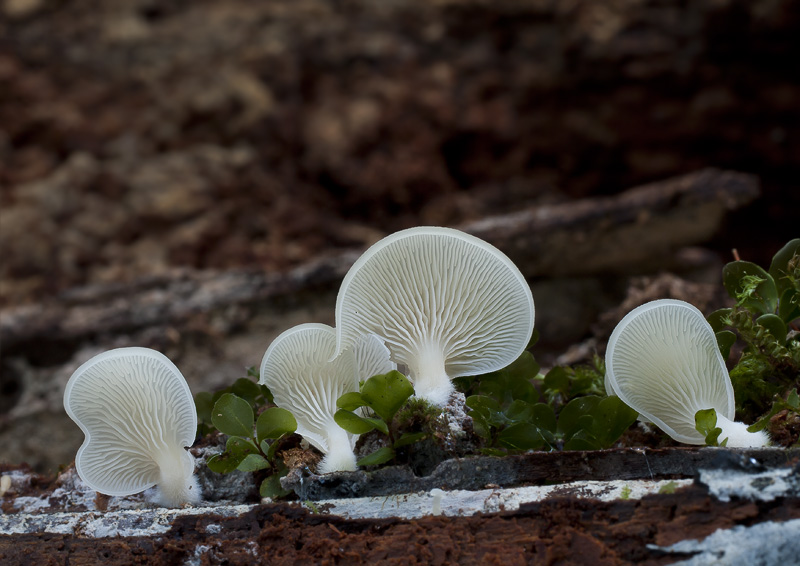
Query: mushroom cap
[(437, 288), (663, 361), (137, 413), (298, 370)]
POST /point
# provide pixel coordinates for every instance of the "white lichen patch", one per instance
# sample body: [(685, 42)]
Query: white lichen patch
[(465, 503), (765, 486), (761, 544), (96, 524)]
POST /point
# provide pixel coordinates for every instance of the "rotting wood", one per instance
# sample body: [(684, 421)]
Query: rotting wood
[(531, 469)]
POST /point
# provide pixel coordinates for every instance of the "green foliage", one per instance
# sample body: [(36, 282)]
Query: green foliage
[(246, 388), (383, 396), (252, 444), (767, 305), (790, 403), (705, 421), (517, 408)]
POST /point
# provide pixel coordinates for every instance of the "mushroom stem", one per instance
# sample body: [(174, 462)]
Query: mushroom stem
[(175, 488), (429, 376), (340, 456), (738, 436)]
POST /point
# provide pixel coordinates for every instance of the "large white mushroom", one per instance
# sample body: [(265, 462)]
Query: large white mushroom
[(663, 361), (298, 369), (137, 413), (447, 304)]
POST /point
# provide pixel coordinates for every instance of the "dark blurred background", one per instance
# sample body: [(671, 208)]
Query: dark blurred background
[(142, 136)]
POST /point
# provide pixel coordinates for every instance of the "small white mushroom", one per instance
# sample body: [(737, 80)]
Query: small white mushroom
[(663, 361), (446, 304), (137, 413), (298, 370)]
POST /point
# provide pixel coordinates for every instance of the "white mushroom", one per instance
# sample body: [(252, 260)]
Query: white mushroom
[(137, 413), (298, 370), (663, 361), (446, 304)]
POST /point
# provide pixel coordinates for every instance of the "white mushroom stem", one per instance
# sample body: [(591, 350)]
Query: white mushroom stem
[(340, 456), (175, 488), (738, 436), (429, 376)]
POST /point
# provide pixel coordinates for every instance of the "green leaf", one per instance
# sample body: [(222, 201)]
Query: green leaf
[(274, 422), (236, 450), (350, 401), (380, 456), (717, 319), (751, 286), (789, 305), (203, 403), (534, 339), (543, 416), (705, 420), (253, 463), (233, 416), (774, 325), (386, 393), (409, 438), (521, 436), (557, 380), (569, 420), (518, 411), (582, 440), (779, 268), (725, 341), (356, 424), (271, 487), (611, 417), (247, 389), (513, 382)]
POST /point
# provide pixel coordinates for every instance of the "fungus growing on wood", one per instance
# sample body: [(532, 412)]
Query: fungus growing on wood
[(298, 369), (445, 303), (138, 416), (663, 361)]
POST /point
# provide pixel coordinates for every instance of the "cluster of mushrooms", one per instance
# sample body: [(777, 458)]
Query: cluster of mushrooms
[(435, 302)]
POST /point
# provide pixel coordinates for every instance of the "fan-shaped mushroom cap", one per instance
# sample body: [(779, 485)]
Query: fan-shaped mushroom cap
[(298, 369), (137, 413), (663, 361), (446, 304)]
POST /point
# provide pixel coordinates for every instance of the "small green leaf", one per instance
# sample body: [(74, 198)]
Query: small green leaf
[(705, 420), (386, 393), (725, 341), (253, 463), (518, 411), (751, 286), (793, 399), (543, 416), (774, 325), (246, 389), (779, 268), (480, 425), (521, 436), (380, 456), (717, 319), (236, 450), (611, 417), (271, 487), (569, 420), (274, 422), (355, 424), (233, 416), (203, 403), (557, 380), (350, 401), (582, 440), (409, 438), (789, 305)]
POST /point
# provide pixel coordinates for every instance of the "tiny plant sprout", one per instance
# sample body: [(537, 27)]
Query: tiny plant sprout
[(663, 361), (138, 416), (445, 303), (298, 369)]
